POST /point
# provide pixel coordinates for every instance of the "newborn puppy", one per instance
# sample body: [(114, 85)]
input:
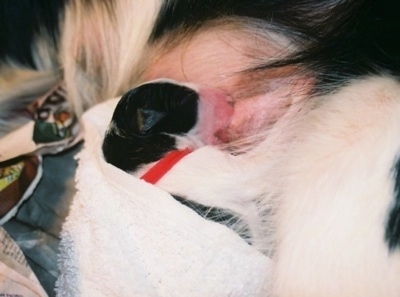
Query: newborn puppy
[(145, 121), (153, 119)]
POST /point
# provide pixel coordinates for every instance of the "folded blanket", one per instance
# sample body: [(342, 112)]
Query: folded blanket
[(125, 237)]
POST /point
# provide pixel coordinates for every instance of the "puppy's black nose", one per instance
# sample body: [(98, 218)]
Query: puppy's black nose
[(144, 121)]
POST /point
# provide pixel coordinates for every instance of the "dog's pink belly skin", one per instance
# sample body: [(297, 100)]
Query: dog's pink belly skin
[(215, 115), (244, 103)]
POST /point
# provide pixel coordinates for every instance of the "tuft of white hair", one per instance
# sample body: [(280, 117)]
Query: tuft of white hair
[(102, 47)]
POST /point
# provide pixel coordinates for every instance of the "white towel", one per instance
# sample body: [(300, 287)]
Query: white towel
[(124, 237)]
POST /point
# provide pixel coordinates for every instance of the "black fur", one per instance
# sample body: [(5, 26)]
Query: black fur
[(143, 121), (219, 215), (392, 234), (338, 39)]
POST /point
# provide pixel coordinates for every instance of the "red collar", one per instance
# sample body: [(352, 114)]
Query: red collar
[(155, 173)]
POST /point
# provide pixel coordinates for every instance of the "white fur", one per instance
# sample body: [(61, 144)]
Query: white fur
[(336, 189), (102, 52), (330, 189)]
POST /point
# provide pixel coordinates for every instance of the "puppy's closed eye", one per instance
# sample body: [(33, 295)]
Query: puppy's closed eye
[(147, 119)]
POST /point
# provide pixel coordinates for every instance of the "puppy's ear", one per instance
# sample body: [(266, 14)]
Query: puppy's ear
[(147, 119)]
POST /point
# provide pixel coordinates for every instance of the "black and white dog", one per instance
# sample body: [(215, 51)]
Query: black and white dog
[(296, 121)]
